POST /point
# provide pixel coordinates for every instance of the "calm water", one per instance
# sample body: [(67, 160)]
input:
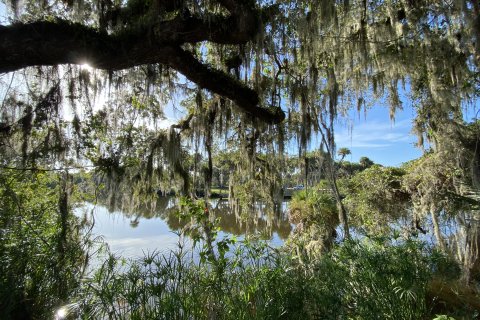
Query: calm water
[(130, 234)]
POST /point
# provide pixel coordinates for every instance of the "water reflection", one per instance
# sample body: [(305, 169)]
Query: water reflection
[(155, 226), (261, 224)]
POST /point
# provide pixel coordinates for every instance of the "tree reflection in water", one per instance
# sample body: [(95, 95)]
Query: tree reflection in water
[(263, 224)]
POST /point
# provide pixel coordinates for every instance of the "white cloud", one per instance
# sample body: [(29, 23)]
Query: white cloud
[(374, 134)]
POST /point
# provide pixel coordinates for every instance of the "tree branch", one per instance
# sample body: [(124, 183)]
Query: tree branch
[(46, 43), (223, 84)]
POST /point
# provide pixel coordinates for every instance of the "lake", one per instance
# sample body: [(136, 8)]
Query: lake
[(131, 234)]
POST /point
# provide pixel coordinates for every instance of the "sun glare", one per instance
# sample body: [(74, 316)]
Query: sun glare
[(61, 313), (86, 66)]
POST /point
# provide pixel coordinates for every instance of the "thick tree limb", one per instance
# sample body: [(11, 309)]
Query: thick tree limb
[(223, 84), (47, 43), (51, 43)]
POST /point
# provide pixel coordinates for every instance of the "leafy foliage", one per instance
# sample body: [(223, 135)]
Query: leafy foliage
[(375, 198), (42, 255), (315, 213)]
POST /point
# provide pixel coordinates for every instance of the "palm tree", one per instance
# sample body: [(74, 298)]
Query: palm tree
[(343, 152), (365, 162)]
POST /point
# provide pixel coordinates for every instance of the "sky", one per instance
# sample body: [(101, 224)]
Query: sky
[(374, 135), (3, 13)]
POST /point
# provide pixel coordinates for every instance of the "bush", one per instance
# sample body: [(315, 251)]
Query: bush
[(40, 253), (315, 213)]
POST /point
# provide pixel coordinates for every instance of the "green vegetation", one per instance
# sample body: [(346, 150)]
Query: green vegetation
[(315, 213), (356, 280), (42, 248), (376, 199)]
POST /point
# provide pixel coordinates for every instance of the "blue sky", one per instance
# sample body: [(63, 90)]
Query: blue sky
[(374, 135), (3, 14)]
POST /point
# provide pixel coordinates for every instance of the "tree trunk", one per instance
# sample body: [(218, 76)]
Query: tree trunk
[(438, 232)]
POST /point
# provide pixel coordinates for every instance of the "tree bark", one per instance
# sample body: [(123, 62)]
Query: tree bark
[(438, 232)]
